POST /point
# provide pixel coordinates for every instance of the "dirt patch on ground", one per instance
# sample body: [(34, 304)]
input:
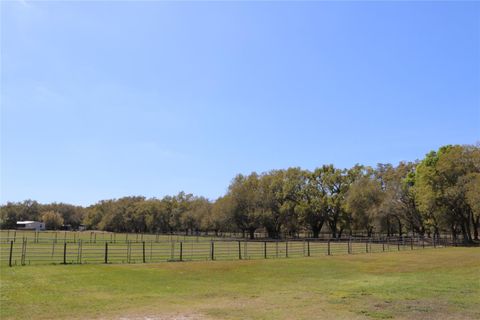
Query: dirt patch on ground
[(170, 316)]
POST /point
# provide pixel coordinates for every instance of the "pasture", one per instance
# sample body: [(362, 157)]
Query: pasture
[(32, 248), (421, 284)]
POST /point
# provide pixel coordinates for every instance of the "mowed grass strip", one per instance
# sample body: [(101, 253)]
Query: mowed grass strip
[(423, 284)]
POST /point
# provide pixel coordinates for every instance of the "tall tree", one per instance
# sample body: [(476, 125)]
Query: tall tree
[(363, 201), (440, 186), (279, 191), (312, 206), (53, 220), (247, 210)]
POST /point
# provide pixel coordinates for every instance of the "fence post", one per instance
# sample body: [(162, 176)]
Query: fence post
[(411, 243), (143, 250), (79, 252), (129, 251), (265, 249), (65, 252), (398, 244), (11, 252), (24, 249), (286, 249), (366, 246), (181, 251), (212, 251), (423, 242), (308, 248), (383, 246), (106, 252), (328, 247), (239, 251)]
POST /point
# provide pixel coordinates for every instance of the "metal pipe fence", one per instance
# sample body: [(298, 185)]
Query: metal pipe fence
[(104, 236), (28, 251)]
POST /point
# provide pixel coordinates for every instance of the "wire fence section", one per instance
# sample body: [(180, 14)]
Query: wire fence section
[(100, 236), (53, 251)]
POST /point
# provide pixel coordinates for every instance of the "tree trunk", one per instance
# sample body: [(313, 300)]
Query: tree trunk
[(454, 232), (476, 226), (251, 233), (388, 227), (400, 231), (316, 231), (369, 232), (333, 228)]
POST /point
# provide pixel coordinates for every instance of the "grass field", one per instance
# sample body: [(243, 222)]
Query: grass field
[(420, 284), (94, 236)]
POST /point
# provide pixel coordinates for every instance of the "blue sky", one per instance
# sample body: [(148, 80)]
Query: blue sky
[(106, 99)]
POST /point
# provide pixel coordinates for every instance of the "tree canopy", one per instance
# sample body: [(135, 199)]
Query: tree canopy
[(440, 193)]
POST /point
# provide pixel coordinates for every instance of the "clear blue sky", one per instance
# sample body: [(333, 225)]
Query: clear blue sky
[(106, 99)]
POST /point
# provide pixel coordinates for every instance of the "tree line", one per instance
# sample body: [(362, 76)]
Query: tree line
[(440, 193)]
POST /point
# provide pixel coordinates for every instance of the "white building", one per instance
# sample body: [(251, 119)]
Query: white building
[(30, 225)]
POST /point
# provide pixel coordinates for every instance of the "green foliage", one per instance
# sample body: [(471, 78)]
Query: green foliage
[(53, 220), (363, 201), (445, 189), (437, 194)]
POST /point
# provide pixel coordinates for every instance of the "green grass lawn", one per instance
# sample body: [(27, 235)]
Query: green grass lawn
[(420, 284)]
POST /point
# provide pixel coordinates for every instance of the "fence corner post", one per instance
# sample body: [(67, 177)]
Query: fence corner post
[(212, 251), (239, 251), (106, 252), (11, 252), (143, 250), (65, 252), (181, 251)]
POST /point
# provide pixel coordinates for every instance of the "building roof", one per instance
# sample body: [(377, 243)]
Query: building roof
[(27, 222)]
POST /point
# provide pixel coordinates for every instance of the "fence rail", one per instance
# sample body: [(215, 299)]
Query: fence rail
[(101, 236), (28, 251)]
